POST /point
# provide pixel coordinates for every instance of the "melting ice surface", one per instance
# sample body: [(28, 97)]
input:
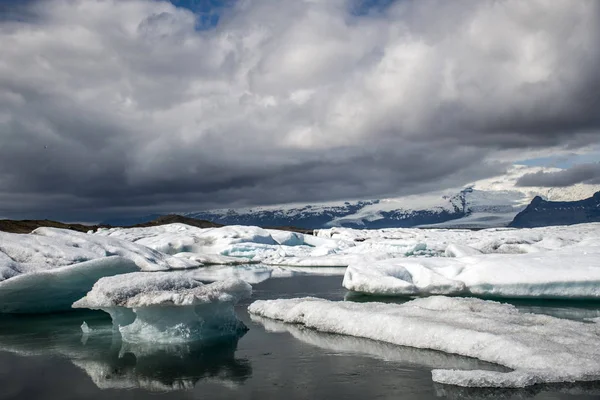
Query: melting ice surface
[(168, 307), (538, 348)]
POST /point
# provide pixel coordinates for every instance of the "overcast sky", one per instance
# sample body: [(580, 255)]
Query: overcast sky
[(120, 107)]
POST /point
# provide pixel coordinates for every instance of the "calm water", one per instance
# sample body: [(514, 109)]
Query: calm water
[(47, 357)]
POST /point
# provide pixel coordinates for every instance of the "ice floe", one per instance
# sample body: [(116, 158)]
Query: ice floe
[(168, 307), (537, 348), (570, 273)]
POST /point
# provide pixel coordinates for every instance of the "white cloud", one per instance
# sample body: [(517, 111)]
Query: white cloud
[(129, 94)]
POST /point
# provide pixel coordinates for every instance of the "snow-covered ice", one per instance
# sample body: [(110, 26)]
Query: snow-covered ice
[(537, 348), (50, 268), (168, 307), (570, 273)]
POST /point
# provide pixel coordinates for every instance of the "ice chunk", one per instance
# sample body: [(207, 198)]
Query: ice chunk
[(457, 250), (538, 348), (51, 268), (56, 289), (567, 273), (85, 328), (287, 238), (168, 307), (249, 273), (213, 259)]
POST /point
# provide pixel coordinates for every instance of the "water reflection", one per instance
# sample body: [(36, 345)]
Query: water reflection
[(578, 310), (112, 364), (463, 393), (384, 351)]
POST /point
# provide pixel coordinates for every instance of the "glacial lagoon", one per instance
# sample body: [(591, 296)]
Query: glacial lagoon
[(50, 356)]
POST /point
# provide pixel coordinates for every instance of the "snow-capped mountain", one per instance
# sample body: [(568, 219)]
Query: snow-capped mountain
[(485, 203)]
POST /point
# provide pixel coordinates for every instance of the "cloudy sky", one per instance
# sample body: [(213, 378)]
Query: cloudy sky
[(122, 107)]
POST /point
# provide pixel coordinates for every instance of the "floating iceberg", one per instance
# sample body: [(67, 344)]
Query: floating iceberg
[(168, 307), (538, 348), (570, 273), (50, 268)]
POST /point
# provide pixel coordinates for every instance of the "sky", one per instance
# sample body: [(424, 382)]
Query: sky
[(115, 108)]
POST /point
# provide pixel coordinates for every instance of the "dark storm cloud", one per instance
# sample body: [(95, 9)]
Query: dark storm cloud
[(113, 107), (582, 173)]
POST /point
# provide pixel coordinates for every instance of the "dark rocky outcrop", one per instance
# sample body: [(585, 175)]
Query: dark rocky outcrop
[(547, 213), (26, 226)]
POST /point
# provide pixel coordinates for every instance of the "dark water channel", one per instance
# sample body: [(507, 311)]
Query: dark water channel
[(48, 357)]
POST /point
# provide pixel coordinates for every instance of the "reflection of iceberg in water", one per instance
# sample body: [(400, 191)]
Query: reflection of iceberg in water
[(577, 310), (111, 363), (464, 393), (167, 368), (385, 351)]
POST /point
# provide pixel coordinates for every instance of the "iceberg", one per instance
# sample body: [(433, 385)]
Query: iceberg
[(168, 307), (569, 273), (537, 348), (50, 268), (56, 289)]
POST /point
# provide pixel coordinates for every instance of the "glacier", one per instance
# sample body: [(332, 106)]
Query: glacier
[(168, 307), (50, 268), (537, 348), (485, 203)]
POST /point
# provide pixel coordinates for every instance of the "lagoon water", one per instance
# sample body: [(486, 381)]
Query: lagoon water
[(49, 357)]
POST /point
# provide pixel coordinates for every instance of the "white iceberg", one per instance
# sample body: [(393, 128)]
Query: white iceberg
[(50, 268), (538, 348), (168, 307), (570, 273)]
